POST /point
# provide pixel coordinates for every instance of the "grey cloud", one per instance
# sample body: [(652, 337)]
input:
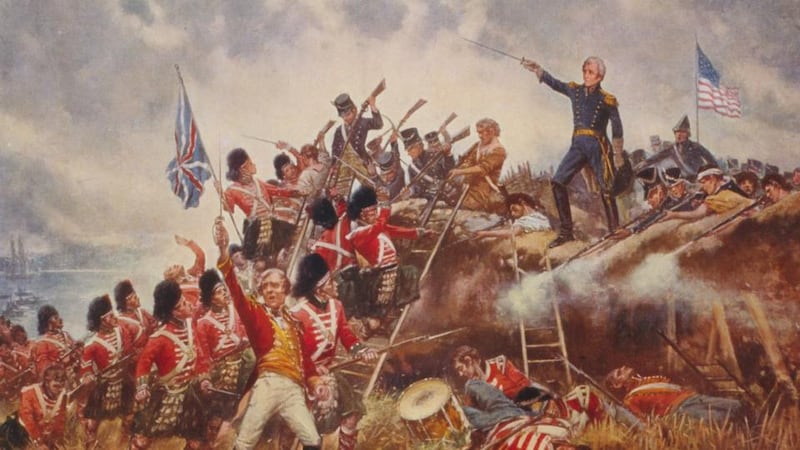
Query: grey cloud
[(378, 19)]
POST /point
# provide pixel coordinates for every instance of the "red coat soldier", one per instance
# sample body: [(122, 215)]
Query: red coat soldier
[(43, 408), (225, 344), (283, 362), (324, 327), (54, 344), (106, 360), (171, 406), (131, 315)]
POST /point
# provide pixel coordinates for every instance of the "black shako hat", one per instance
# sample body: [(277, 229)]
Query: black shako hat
[(649, 177), (410, 137), (385, 160), (343, 103), (672, 175), (363, 197), (432, 138)]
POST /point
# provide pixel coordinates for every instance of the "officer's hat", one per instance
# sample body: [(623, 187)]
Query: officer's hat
[(682, 125), (410, 137), (343, 103)]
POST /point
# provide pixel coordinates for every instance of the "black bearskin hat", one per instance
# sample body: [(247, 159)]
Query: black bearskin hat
[(281, 160), (166, 295), (323, 213), (97, 308), (236, 158), (362, 198), (43, 317), (208, 281), (121, 292), (312, 268)]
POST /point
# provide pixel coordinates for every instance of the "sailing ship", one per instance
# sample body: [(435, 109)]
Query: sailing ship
[(18, 265)]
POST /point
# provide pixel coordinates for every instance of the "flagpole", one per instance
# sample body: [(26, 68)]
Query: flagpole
[(211, 166), (696, 89)]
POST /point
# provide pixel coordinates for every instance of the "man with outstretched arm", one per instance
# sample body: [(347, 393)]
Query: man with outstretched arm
[(283, 361), (592, 109)]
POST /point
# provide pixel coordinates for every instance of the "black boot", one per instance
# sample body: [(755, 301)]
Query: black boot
[(564, 214), (612, 213)]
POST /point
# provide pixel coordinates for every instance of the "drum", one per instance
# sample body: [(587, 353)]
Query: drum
[(430, 410)]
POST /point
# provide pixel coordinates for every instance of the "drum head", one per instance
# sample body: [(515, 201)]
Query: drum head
[(423, 399)]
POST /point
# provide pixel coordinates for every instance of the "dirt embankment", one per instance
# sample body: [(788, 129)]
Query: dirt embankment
[(615, 300)]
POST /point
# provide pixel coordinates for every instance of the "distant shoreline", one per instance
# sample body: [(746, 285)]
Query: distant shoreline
[(80, 270)]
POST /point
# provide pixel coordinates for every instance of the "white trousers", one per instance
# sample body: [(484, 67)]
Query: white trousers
[(273, 393)]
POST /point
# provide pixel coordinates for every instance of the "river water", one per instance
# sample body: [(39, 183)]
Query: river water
[(70, 293)]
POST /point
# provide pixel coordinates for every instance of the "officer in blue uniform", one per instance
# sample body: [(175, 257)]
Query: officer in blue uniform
[(592, 110)]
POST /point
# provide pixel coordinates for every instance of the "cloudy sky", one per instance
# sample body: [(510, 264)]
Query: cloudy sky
[(88, 90)]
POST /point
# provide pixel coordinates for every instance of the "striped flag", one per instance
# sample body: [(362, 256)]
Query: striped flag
[(711, 94), (191, 167)]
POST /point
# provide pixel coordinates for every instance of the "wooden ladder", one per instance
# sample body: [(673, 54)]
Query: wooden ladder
[(539, 343)]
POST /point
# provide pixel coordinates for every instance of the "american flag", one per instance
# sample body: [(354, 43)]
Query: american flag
[(191, 167), (711, 94)]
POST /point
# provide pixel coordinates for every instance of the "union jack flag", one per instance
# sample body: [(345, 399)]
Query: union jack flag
[(191, 167)]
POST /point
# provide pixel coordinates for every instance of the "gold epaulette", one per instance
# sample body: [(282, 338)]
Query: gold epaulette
[(573, 85), (609, 99)]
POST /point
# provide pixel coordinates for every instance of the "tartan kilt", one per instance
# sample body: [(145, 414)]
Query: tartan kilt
[(109, 399), (349, 402), (266, 237), (177, 413), (385, 288), (225, 376)]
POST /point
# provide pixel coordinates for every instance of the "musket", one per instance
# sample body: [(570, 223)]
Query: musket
[(124, 360), (260, 139), (500, 224), (420, 103), (438, 156), (323, 132), (494, 49), (11, 381), (447, 121), (224, 392), (758, 202), (591, 380), (653, 216), (683, 356), (424, 338), (331, 179), (635, 422)]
